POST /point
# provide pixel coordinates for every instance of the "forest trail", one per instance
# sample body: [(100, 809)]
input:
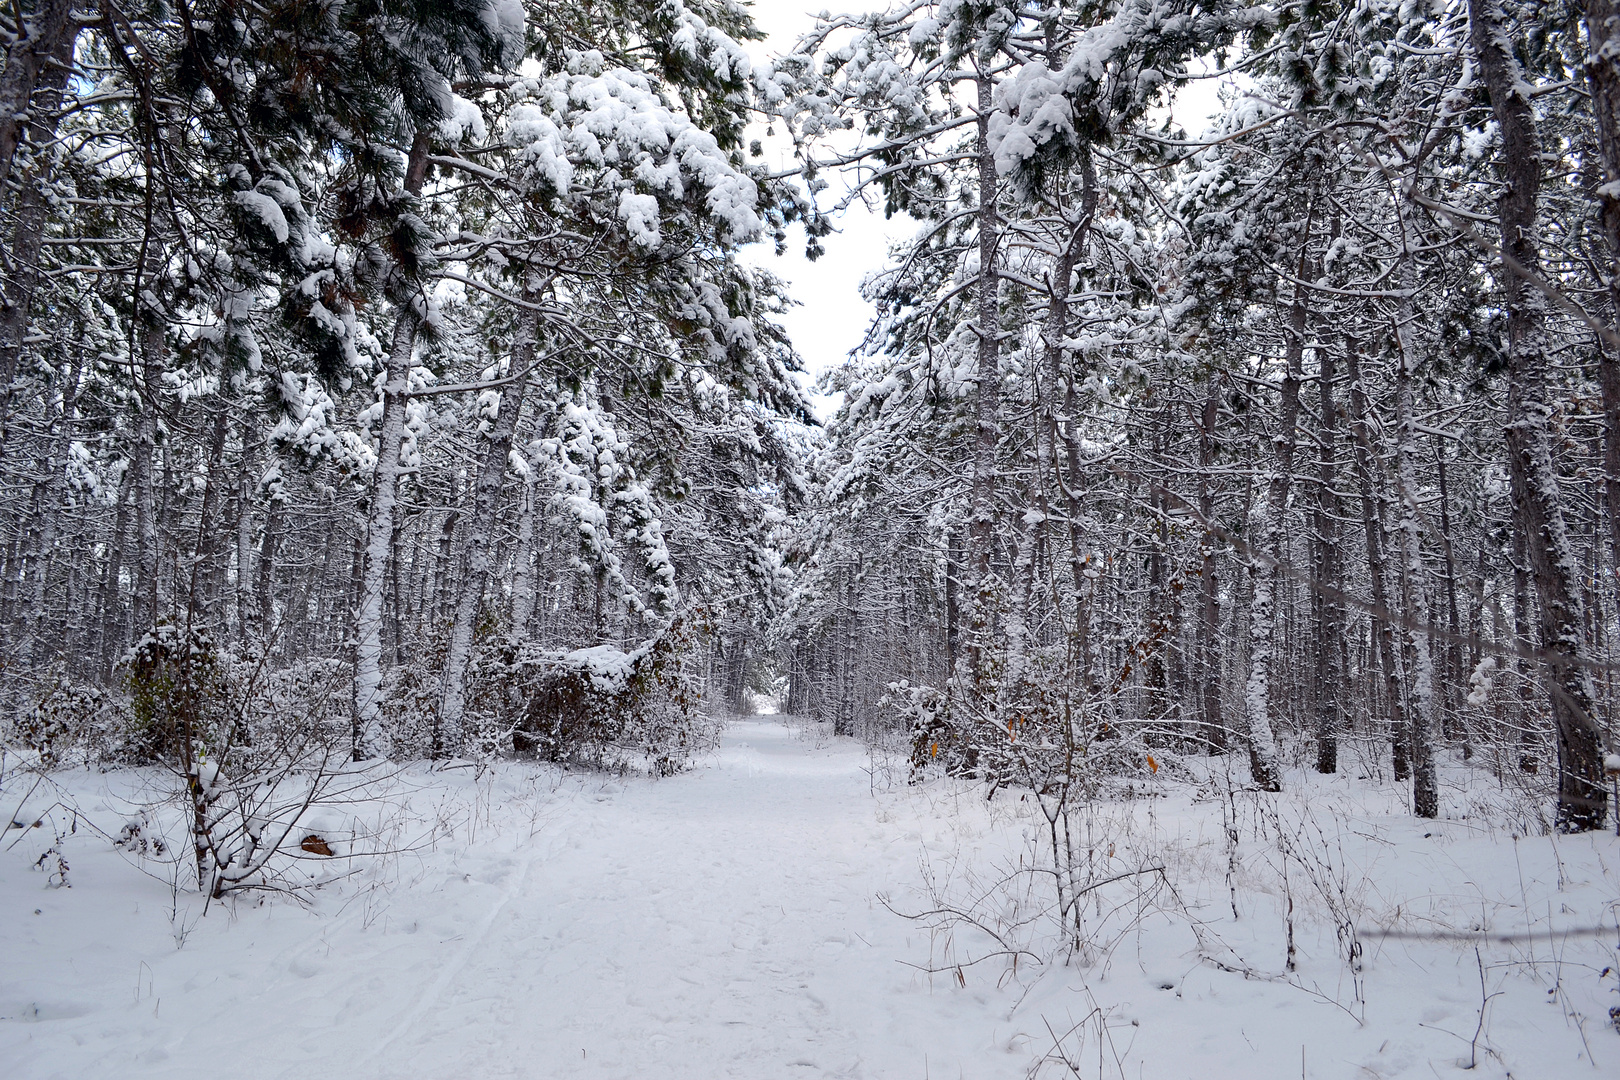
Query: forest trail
[(719, 924), (726, 923)]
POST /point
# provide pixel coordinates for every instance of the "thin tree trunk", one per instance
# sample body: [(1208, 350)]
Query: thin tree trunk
[(111, 603), (1425, 787), (1454, 677), (148, 596), (1603, 80), (1524, 638), (1209, 654), (523, 577), (479, 548), (1330, 617), (1267, 518), (198, 602), (1373, 526), (981, 523)]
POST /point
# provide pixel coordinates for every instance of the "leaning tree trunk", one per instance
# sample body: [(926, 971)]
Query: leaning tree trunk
[(1582, 797), (478, 546), (369, 739)]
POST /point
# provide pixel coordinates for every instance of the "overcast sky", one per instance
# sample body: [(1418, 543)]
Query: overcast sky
[(832, 317)]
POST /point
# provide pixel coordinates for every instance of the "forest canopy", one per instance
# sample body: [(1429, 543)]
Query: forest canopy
[(391, 371)]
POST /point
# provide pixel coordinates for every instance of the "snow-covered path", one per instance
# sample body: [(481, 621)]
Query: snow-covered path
[(726, 923), (723, 923)]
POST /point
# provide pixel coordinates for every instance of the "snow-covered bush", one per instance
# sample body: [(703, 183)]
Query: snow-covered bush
[(178, 695), (65, 720), (599, 706)]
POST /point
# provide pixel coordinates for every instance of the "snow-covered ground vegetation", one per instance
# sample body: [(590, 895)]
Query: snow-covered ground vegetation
[(793, 906)]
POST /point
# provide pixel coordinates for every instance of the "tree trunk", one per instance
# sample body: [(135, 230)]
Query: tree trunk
[(1329, 615), (981, 523), (1373, 526), (148, 596), (112, 639), (21, 263), (1267, 518), (1209, 649), (1603, 80), (1425, 787), (523, 576), (45, 32), (480, 529), (369, 739), (1582, 796)]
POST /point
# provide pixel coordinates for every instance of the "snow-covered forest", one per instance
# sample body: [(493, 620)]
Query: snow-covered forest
[(445, 616)]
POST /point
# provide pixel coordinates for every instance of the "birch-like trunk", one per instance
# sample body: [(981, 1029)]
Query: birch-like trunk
[(1582, 795), (479, 546)]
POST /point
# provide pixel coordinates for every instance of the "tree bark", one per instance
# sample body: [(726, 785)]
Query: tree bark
[(1329, 615), (1582, 795), (370, 740), (19, 267), (1603, 83), (1209, 649), (28, 64), (981, 522), (1266, 527), (1425, 787)]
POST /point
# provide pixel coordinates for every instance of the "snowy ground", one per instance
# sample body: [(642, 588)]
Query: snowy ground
[(728, 923)]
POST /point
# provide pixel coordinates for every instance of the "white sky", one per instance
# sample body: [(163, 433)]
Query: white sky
[(832, 317)]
